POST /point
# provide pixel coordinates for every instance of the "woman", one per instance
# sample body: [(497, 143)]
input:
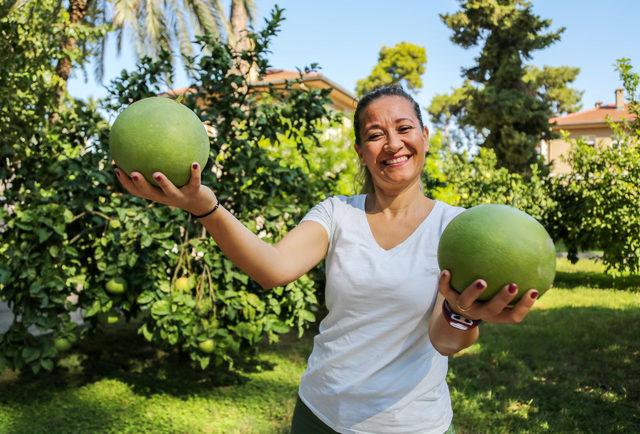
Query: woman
[(380, 359)]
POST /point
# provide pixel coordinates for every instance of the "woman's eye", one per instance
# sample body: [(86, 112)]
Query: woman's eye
[(405, 128), (375, 136)]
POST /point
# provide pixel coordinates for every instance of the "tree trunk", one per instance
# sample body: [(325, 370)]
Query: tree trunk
[(77, 12)]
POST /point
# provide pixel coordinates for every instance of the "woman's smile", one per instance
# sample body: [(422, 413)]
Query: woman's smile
[(398, 161)]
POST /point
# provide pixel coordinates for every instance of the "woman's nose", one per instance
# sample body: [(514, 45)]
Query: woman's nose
[(394, 144)]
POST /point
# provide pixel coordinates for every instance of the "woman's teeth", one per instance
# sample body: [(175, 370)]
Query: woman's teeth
[(396, 160)]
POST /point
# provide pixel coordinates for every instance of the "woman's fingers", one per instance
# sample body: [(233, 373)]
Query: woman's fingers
[(167, 187), (500, 300), (194, 182), (470, 295), (519, 311), (462, 303)]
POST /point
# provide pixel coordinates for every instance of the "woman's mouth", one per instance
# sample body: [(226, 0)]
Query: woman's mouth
[(397, 161)]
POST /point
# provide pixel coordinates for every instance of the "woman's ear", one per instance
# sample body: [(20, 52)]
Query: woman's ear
[(425, 135), (357, 149)]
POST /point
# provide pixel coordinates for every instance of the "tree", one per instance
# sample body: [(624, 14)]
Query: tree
[(67, 228), (403, 63), (597, 202), (506, 102), (155, 26)]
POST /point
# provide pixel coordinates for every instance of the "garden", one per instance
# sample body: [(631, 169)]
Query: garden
[(190, 343)]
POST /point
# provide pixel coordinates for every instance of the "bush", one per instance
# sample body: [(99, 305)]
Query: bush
[(466, 181)]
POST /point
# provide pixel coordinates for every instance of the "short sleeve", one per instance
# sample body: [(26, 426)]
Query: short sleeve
[(322, 213)]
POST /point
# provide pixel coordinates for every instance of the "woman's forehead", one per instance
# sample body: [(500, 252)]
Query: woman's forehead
[(388, 108)]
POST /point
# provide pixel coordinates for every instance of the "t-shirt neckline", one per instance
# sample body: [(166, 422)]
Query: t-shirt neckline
[(372, 238)]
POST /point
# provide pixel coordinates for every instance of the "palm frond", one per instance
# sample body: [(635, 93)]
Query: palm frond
[(221, 18), (204, 17), (251, 8), (181, 31)]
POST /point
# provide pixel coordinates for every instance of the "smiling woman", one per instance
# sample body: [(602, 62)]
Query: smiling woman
[(379, 362)]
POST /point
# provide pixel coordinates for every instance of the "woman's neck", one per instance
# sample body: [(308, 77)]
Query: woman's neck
[(398, 203)]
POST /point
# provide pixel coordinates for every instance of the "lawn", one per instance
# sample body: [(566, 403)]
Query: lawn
[(572, 366)]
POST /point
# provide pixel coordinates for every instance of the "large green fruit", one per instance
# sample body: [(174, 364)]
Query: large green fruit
[(499, 244), (159, 135)]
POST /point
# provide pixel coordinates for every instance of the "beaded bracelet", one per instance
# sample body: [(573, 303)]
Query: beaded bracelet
[(207, 213), (456, 320)]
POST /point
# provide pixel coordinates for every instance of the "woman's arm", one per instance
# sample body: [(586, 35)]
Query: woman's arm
[(269, 265), (449, 340)]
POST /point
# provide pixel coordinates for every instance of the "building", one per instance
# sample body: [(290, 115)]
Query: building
[(341, 99), (590, 125)]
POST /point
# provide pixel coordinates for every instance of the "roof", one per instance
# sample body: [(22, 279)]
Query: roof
[(593, 117), (341, 98)]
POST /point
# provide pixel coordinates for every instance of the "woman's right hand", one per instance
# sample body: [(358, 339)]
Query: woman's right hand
[(192, 197)]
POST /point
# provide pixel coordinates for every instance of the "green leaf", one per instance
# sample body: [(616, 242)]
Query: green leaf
[(307, 315), (47, 364), (29, 354), (160, 308), (145, 297), (204, 362)]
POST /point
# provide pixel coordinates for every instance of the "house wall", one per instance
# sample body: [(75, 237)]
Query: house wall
[(557, 149)]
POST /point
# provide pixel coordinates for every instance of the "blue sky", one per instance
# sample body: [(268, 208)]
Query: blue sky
[(344, 37)]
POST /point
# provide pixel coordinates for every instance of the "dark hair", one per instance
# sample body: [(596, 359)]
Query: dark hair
[(368, 98)]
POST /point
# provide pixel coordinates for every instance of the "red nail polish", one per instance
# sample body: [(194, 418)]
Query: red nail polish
[(195, 165), (534, 295), (513, 288), (480, 285), (135, 177), (156, 177)]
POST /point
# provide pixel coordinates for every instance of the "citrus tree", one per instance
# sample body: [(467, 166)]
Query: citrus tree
[(597, 202), (71, 235)]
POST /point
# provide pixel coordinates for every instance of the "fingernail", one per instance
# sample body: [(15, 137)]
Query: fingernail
[(135, 177), (513, 288), (444, 273), (156, 177), (480, 285), (534, 295), (117, 173), (195, 165)]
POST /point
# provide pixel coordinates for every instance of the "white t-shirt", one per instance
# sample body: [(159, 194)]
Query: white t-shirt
[(373, 368)]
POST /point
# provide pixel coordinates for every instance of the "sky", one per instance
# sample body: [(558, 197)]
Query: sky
[(345, 36)]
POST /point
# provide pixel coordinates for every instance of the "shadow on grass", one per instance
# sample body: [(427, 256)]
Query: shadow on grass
[(124, 355), (562, 370), (575, 279)]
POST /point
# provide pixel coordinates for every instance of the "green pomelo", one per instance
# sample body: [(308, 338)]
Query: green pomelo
[(116, 285), (61, 344), (207, 346), (185, 284), (499, 244), (159, 135)]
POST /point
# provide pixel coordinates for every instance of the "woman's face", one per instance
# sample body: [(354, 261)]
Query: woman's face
[(392, 143)]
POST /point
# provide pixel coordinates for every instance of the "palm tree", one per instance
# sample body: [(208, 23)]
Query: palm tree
[(155, 25)]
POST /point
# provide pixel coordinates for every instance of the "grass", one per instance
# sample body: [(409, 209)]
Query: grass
[(572, 366)]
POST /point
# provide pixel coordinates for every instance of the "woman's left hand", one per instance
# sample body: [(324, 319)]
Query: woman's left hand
[(495, 310)]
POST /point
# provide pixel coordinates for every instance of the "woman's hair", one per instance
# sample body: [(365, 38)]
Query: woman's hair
[(363, 103)]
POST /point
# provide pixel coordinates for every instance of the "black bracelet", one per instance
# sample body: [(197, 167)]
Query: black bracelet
[(456, 320), (208, 212)]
